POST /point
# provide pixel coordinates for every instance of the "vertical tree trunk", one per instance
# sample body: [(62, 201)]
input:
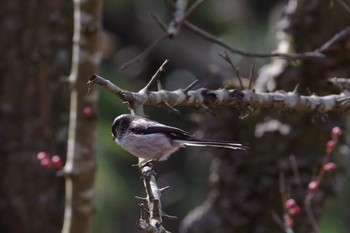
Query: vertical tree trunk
[(35, 48), (81, 164)]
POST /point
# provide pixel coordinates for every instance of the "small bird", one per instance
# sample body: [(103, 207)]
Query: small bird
[(154, 141)]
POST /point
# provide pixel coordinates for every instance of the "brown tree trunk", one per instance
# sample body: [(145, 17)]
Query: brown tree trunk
[(245, 194), (35, 48)]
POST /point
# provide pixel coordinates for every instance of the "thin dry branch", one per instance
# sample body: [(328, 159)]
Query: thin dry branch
[(227, 58), (154, 221), (317, 53), (144, 54)]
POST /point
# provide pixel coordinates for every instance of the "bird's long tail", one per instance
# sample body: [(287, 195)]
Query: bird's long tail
[(214, 143)]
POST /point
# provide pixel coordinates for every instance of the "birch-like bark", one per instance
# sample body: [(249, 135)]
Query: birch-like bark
[(80, 166)]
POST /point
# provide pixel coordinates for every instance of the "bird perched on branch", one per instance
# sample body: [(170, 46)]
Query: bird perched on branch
[(154, 141)]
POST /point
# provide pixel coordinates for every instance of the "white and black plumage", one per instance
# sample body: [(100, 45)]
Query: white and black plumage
[(151, 140)]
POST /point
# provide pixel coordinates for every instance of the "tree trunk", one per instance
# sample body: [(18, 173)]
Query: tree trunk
[(35, 47)]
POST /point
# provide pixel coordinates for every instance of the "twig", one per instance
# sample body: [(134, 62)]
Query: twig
[(155, 77), (189, 87), (296, 174), (335, 38), (317, 53), (193, 7), (159, 21), (227, 58), (344, 4), (251, 75), (145, 53)]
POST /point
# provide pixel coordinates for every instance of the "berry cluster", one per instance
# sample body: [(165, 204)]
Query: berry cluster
[(47, 161), (292, 209), (327, 166)]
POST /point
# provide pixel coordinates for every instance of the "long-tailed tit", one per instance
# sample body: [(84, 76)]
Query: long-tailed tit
[(151, 140)]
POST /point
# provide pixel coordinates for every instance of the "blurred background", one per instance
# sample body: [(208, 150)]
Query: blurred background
[(129, 29), (35, 60)]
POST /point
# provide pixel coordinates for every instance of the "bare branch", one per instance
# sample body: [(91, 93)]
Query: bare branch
[(204, 98), (193, 7), (154, 222), (345, 5), (144, 54), (251, 75), (340, 35), (227, 58), (317, 53)]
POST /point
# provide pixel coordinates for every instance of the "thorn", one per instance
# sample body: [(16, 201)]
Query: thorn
[(140, 198), (296, 89), (189, 87), (171, 108), (155, 77), (206, 108), (169, 216), (251, 73), (159, 85), (164, 189)]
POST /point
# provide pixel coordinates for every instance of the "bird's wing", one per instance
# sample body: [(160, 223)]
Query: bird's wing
[(172, 132)]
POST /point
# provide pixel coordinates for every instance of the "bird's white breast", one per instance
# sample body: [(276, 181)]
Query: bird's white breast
[(149, 146)]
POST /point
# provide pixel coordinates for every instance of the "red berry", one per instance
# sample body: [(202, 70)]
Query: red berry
[(294, 211), (42, 155), (313, 186), (330, 146), (290, 203), (289, 222), (56, 161), (46, 162), (336, 132), (88, 112), (330, 167)]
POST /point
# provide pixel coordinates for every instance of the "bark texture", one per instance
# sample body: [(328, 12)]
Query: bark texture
[(35, 49)]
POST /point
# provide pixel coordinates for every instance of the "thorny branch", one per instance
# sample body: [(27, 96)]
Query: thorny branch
[(281, 101)]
